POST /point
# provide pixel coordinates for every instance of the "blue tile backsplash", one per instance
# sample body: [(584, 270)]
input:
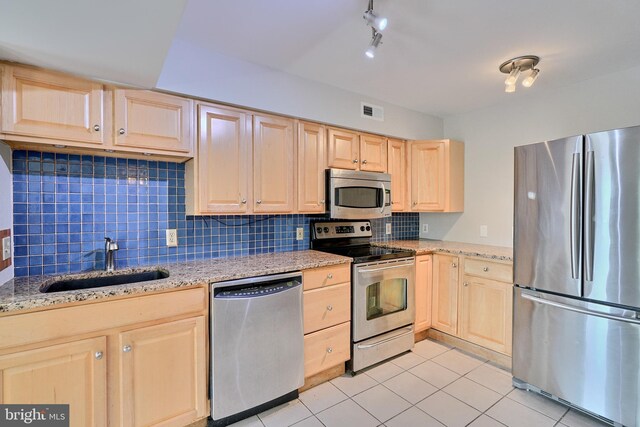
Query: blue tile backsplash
[(65, 204)]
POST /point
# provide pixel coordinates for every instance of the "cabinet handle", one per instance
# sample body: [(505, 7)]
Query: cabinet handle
[(355, 160), (98, 355), (415, 203), (258, 201), (322, 202), (485, 269), (244, 201), (364, 162), (96, 128), (454, 265), (330, 276), (466, 283), (121, 131), (126, 349), (330, 307), (329, 350)]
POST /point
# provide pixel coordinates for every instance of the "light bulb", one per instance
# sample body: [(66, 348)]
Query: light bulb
[(513, 76), (531, 78), (510, 88), (377, 22), (370, 52)]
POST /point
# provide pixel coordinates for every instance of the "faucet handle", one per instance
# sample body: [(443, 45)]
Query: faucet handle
[(113, 246)]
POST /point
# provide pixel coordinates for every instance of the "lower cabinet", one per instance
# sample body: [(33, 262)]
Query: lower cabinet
[(73, 373), (444, 313), (423, 292)]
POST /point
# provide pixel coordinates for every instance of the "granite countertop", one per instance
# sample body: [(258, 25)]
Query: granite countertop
[(23, 293), (426, 246)]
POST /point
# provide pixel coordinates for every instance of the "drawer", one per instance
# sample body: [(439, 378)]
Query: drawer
[(326, 307), (326, 348), (502, 272), (326, 276)]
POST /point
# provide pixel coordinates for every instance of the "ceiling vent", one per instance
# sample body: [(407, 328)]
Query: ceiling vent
[(371, 111)]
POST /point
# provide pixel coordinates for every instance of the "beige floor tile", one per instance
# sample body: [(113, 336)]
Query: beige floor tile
[(429, 349), (434, 374), (408, 360), (490, 377), (381, 402), (347, 413), (485, 421), (413, 417), (321, 397), (458, 362), (473, 394), (514, 414), (285, 415), (574, 418), (448, 410), (309, 422), (541, 404), (248, 422), (352, 385), (410, 387), (383, 372)]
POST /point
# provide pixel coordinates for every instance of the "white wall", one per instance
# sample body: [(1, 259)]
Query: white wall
[(607, 102), (6, 201), (195, 71)]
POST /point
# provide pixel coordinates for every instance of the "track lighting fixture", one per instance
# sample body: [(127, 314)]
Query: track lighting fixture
[(514, 67), (377, 24)]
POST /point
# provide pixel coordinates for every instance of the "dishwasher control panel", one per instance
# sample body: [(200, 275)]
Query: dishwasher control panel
[(254, 291)]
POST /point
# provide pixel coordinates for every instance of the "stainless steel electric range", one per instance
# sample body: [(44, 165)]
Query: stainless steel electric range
[(382, 291)]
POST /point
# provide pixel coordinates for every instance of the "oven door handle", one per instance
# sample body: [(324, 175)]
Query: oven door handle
[(375, 270), (408, 330)]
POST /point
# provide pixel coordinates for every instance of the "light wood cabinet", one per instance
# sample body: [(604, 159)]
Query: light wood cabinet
[(163, 373), (157, 122), (273, 154), (437, 176), (220, 173), (486, 304), (444, 307), (51, 108), (326, 348), (373, 153), (423, 288), (73, 373), (312, 163), (342, 149), (397, 168)]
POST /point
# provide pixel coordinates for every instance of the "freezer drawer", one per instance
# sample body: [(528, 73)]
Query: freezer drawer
[(587, 354)]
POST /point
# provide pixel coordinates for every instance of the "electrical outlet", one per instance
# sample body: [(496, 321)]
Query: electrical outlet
[(425, 228), (388, 228), (172, 237), (484, 232), (6, 248), (299, 233)]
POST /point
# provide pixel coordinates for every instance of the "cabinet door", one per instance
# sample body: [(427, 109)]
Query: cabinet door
[(151, 120), (342, 149), (49, 105), (73, 373), (311, 165), (373, 153), (444, 313), (164, 376), (485, 313), (396, 167), (273, 154), (423, 292), (428, 175), (224, 160)]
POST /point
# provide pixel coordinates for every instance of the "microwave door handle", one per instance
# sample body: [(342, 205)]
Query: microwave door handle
[(382, 194)]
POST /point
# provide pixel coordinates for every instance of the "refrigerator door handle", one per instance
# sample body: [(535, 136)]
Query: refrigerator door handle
[(579, 309), (576, 209), (589, 212)]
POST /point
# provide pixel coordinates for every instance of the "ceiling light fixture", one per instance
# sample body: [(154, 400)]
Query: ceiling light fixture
[(377, 24), (514, 67)]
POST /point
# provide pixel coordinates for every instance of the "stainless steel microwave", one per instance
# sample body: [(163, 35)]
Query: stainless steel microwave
[(358, 195)]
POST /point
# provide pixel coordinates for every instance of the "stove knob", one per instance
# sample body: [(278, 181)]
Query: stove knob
[(362, 228), (368, 228), (319, 230), (326, 229)]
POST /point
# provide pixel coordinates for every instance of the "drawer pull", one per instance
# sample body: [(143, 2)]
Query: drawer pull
[(329, 307), (454, 265), (329, 350), (126, 349), (330, 276), (98, 355), (485, 269), (466, 283)]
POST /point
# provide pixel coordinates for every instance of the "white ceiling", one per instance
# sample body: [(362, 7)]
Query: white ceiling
[(438, 57)]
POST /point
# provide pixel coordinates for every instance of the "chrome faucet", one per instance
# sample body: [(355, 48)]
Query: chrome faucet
[(110, 247)]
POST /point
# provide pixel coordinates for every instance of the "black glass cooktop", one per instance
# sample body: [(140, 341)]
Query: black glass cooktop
[(367, 253)]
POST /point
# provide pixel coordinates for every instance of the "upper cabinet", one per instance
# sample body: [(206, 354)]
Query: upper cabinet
[(51, 108), (437, 176), (342, 149), (312, 162), (397, 168), (373, 153), (157, 122)]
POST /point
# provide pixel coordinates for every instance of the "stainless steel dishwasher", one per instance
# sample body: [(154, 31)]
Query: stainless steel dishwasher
[(257, 345)]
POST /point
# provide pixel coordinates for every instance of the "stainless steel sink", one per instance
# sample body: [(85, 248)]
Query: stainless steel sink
[(101, 281)]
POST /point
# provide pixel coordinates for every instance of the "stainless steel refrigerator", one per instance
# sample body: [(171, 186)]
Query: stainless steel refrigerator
[(576, 325)]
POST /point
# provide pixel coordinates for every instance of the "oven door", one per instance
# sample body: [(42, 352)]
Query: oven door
[(383, 297), (359, 198)]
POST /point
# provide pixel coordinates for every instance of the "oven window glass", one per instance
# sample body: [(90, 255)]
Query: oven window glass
[(386, 297), (358, 197)]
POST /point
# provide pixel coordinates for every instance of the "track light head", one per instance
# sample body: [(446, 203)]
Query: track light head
[(376, 39), (375, 21), (531, 78)]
